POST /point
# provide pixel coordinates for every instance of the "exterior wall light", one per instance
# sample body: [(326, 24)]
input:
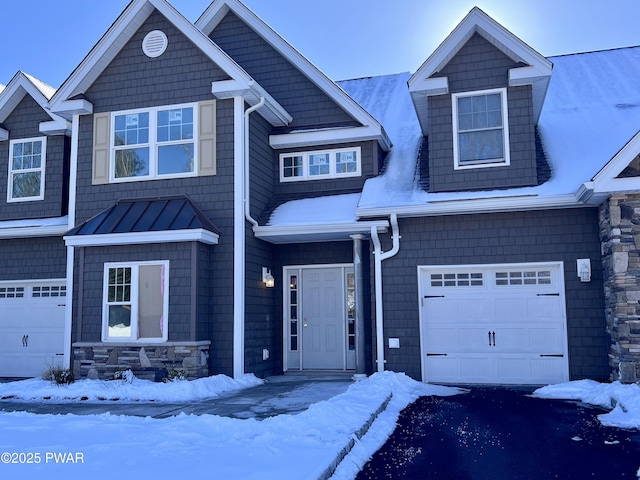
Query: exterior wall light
[(267, 278)]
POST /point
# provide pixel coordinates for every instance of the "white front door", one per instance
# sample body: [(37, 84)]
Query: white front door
[(502, 324), (319, 318), (31, 328), (323, 321)]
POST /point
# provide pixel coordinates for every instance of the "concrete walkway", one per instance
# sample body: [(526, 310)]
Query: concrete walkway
[(277, 395)]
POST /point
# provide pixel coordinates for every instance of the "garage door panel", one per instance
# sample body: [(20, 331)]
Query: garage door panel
[(32, 329), (499, 331)]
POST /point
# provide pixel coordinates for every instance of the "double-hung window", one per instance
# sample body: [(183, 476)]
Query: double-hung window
[(320, 164), (26, 169), (136, 301), (481, 131), (154, 143)]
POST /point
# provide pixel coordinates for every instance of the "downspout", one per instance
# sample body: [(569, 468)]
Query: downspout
[(247, 203), (379, 257)]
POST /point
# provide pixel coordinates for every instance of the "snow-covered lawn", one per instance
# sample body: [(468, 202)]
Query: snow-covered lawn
[(111, 446), (285, 447)]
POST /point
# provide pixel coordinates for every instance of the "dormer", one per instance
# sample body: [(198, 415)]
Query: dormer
[(478, 98)]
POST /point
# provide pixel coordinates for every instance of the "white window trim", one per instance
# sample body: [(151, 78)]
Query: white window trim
[(332, 164), (152, 144), (505, 130), (134, 303), (43, 162)]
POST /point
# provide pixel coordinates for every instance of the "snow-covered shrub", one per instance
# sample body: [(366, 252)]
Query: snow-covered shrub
[(58, 375)]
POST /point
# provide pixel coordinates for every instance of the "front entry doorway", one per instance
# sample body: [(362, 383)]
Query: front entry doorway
[(319, 318)]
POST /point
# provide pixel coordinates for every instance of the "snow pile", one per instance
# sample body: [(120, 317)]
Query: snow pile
[(133, 389), (285, 447), (622, 400)]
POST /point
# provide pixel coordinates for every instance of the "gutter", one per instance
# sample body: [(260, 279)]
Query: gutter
[(247, 182), (379, 257)]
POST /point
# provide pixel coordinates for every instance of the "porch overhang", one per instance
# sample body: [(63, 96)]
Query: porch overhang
[(143, 221), (318, 232)]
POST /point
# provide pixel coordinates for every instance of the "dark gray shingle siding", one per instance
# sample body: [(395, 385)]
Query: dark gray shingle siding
[(307, 104), (479, 66), (32, 258), (24, 122), (537, 236)]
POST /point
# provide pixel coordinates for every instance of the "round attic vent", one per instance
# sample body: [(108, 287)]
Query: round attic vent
[(154, 43)]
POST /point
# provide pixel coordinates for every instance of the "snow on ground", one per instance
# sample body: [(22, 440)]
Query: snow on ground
[(622, 400), (111, 446), (128, 390)]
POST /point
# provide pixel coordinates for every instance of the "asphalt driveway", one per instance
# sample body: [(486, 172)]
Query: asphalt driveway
[(500, 433)]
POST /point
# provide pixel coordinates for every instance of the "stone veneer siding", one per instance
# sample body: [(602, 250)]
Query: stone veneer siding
[(150, 362), (620, 235)]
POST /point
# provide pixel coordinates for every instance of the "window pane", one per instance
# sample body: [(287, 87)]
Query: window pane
[(131, 129), (26, 185), (150, 301), (319, 164), (175, 159), (482, 145), (346, 162), (119, 321), (175, 124), (292, 166), (132, 162)]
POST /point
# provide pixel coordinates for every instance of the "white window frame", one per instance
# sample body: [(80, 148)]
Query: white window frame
[(153, 144), (41, 169), (333, 155), (506, 160), (134, 302)]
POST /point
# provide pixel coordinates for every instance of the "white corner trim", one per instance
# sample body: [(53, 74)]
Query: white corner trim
[(322, 137), (75, 107), (4, 135), (436, 86), (137, 238), (239, 245), (528, 75)]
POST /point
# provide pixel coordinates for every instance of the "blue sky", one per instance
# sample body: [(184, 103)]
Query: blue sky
[(344, 38)]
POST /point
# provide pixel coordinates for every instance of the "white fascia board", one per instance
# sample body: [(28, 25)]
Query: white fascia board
[(312, 233), (55, 127), (4, 135), (18, 87), (34, 232), (69, 108), (482, 205), (477, 21), (605, 180), (272, 111), (216, 12), (137, 238), (320, 137), (120, 33)]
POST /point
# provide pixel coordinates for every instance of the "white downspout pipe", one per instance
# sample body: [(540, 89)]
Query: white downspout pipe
[(247, 182), (379, 256)]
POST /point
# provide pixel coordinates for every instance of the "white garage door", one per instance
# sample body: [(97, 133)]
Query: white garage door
[(499, 324), (31, 327)]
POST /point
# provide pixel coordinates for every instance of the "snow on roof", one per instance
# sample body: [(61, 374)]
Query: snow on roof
[(45, 89), (592, 109), (1, 88), (334, 209)]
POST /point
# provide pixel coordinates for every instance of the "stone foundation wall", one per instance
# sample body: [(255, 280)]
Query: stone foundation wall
[(150, 361), (620, 235)]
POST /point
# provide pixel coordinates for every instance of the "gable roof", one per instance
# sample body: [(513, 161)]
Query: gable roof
[(216, 12), (65, 100), (536, 72), (23, 84), (146, 220)]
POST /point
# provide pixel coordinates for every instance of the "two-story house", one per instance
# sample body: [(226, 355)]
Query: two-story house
[(231, 209)]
